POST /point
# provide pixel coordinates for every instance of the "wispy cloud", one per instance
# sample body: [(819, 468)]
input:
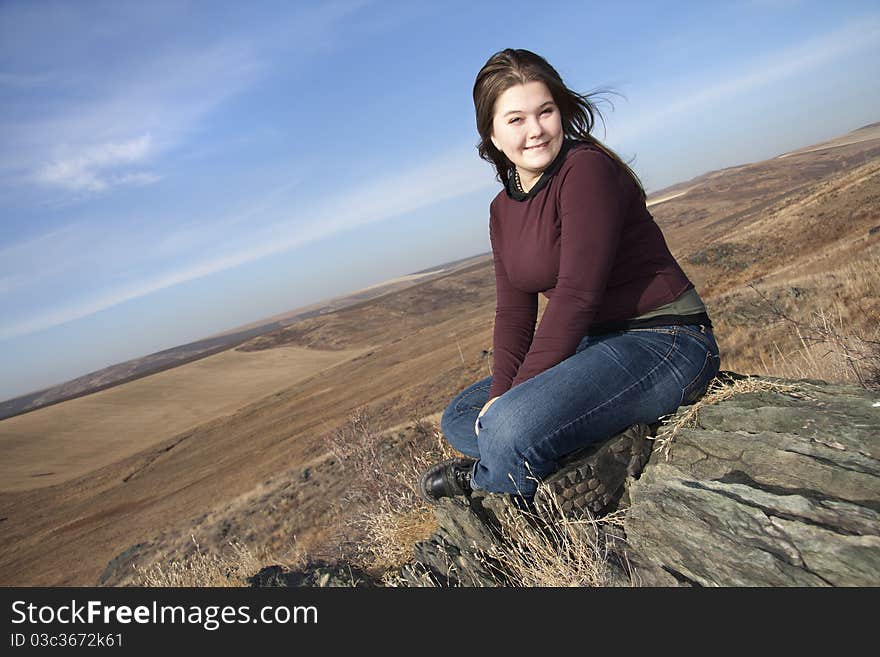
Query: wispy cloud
[(94, 169), (105, 144), (116, 117), (47, 257), (93, 145), (771, 68), (449, 175)]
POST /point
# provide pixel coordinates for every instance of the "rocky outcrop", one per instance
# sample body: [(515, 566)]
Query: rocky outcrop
[(767, 488), (764, 482)]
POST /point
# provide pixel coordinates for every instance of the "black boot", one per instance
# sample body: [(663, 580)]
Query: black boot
[(446, 479)]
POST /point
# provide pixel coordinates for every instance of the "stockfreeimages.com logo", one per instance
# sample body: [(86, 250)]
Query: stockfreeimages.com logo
[(211, 617)]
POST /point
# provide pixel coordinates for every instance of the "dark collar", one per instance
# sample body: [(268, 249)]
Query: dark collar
[(516, 195)]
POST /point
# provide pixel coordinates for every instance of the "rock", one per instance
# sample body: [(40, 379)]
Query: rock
[(121, 565), (454, 554), (473, 547), (778, 486), (768, 489), (270, 576), (313, 574)]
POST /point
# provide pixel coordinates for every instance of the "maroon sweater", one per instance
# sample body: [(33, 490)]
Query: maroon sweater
[(582, 236)]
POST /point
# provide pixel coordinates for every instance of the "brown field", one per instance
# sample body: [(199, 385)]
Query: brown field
[(55, 444), (784, 238)]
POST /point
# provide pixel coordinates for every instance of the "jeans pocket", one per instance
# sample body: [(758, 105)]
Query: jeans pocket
[(698, 387), (701, 333)]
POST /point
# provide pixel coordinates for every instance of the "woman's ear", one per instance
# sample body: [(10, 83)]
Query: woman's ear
[(494, 143)]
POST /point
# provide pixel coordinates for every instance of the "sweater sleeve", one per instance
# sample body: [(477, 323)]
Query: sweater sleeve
[(515, 315), (591, 212)]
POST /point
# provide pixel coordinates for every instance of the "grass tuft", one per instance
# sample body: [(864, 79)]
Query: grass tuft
[(231, 567), (383, 476), (718, 391), (551, 548)]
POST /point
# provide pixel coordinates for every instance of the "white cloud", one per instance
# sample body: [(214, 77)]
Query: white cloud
[(164, 93), (93, 146), (136, 178), (450, 175), (92, 169), (772, 68)]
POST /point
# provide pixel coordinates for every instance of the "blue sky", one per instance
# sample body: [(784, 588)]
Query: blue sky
[(171, 170)]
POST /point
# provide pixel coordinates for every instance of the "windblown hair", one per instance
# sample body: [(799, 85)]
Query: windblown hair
[(508, 68)]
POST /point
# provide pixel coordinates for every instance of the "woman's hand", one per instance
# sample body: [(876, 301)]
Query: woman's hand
[(482, 412)]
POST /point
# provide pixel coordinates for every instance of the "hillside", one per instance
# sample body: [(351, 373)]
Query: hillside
[(137, 368), (788, 236)]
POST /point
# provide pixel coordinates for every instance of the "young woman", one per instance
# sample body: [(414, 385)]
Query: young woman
[(624, 339)]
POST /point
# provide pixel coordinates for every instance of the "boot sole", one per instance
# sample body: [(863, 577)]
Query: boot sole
[(590, 480)]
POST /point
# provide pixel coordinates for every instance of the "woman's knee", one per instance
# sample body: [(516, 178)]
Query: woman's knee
[(457, 419), (506, 432), (502, 444), (447, 419), (469, 401)]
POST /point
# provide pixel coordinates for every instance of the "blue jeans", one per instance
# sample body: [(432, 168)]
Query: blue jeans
[(611, 382)]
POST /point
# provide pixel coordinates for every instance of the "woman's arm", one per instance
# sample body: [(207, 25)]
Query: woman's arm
[(592, 204), (515, 315)]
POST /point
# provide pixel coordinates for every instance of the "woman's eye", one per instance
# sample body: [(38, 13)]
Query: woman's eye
[(516, 119)]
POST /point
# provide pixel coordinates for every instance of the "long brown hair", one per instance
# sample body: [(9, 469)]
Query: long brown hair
[(510, 67)]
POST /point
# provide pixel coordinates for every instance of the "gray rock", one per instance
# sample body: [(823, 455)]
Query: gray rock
[(455, 554), (767, 488), (313, 574), (122, 564)]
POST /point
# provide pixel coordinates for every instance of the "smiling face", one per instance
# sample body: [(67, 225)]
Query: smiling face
[(527, 128)]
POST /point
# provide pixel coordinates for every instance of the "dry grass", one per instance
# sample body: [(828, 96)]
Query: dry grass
[(822, 325), (542, 548), (545, 549), (383, 475), (829, 347), (231, 567), (718, 391), (553, 549), (836, 340), (830, 353)]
